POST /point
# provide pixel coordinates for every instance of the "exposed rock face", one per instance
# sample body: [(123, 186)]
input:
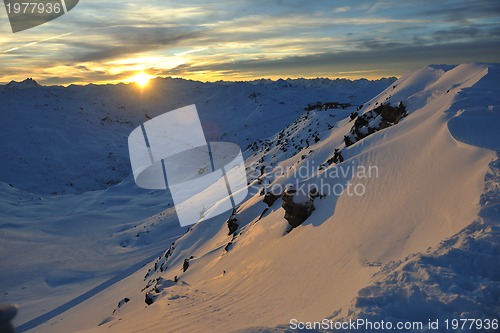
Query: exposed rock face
[(270, 198), (121, 303), (296, 212), (375, 120), (231, 223), (185, 265), (148, 299), (337, 157)]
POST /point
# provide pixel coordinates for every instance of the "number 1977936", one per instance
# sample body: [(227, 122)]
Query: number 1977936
[(471, 324), (34, 8)]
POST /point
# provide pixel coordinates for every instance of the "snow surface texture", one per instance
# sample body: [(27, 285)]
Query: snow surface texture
[(421, 243)]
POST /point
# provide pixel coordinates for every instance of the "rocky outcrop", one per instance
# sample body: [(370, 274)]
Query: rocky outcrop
[(231, 223), (160, 285), (297, 211), (148, 299), (381, 117), (185, 265), (337, 157), (160, 262), (270, 198), (122, 303)]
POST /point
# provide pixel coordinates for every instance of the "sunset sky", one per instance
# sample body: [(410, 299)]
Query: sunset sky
[(111, 41)]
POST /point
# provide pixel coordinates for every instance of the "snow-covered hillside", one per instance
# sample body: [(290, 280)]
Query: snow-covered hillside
[(413, 237)]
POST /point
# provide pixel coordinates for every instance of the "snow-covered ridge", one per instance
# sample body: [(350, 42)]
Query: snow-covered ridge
[(415, 214)]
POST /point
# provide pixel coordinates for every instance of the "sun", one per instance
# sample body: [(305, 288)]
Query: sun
[(141, 79)]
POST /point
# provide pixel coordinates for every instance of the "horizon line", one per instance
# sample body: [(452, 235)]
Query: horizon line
[(118, 82)]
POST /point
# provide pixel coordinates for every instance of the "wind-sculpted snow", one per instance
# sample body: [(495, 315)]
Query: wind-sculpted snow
[(459, 277), (344, 258)]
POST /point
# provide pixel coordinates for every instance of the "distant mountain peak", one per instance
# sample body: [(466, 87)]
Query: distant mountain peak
[(27, 83)]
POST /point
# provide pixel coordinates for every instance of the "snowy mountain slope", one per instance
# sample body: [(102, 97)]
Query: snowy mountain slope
[(459, 277), (356, 255), (71, 217)]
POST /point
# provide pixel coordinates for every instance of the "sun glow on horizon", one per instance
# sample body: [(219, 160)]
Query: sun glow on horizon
[(141, 79)]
